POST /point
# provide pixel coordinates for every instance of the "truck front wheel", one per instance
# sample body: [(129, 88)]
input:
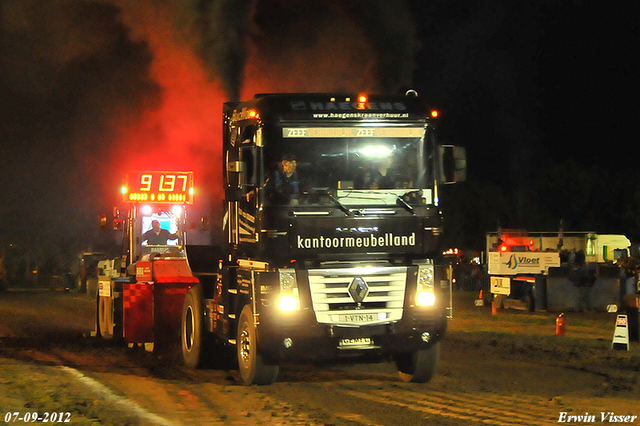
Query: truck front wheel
[(193, 328), (252, 366), (419, 366)]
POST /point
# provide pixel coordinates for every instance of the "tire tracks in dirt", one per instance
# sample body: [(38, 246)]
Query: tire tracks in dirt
[(481, 408), (378, 402), (205, 403)]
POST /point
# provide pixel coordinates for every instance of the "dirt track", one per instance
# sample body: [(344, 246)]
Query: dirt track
[(505, 369)]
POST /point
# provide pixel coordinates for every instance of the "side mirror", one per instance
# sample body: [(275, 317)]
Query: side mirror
[(115, 223), (453, 164)]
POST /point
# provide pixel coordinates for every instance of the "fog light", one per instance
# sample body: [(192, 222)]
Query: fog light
[(288, 342), (426, 336)]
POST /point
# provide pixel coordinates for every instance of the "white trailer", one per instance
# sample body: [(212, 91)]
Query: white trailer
[(517, 260)]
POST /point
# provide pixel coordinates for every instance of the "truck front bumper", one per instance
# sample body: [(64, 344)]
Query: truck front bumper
[(300, 336)]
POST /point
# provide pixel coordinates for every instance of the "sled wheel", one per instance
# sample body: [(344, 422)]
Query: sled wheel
[(105, 317)]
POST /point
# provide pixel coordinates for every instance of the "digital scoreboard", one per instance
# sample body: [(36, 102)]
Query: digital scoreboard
[(158, 187)]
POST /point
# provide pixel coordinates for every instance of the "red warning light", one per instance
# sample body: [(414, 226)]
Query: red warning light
[(435, 113)]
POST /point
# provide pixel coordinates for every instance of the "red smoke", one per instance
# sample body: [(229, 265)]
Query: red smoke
[(184, 131)]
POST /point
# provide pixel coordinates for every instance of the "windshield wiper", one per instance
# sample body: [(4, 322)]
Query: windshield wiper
[(400, 200), (374, 195), (325, 191), (339, 204), (415, 194)]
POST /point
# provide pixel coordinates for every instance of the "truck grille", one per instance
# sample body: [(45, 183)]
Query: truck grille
[(357, 296)]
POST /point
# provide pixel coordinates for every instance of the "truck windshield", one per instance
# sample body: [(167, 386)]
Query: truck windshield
[(368, 164)]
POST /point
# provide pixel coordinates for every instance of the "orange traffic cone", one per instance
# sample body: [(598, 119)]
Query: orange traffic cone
[(480, 295), (494, 308), (560, 324)]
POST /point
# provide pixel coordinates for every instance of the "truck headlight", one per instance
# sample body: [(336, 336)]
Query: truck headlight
[(425, 291), (288, 303), (289, 299)]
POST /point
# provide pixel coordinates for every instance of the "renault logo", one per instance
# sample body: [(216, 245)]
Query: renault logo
[(358, 289)]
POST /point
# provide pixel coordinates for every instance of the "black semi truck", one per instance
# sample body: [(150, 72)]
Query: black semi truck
[(331, 227)]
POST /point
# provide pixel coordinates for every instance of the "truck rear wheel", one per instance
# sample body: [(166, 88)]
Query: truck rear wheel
[(252, 366), (419, 366), (192, 336)]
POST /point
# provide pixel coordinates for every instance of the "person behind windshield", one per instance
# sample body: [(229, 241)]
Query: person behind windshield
[(383, 177), (157, 235), (283, 187), (380, 176)]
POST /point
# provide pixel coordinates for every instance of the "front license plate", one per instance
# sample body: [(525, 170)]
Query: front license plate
[(357, 318), (357, 341)]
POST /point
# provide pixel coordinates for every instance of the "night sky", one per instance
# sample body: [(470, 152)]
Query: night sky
[(91, 89)]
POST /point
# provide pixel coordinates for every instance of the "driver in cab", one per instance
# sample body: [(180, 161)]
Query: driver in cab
[(157, 235), (283, 187)]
